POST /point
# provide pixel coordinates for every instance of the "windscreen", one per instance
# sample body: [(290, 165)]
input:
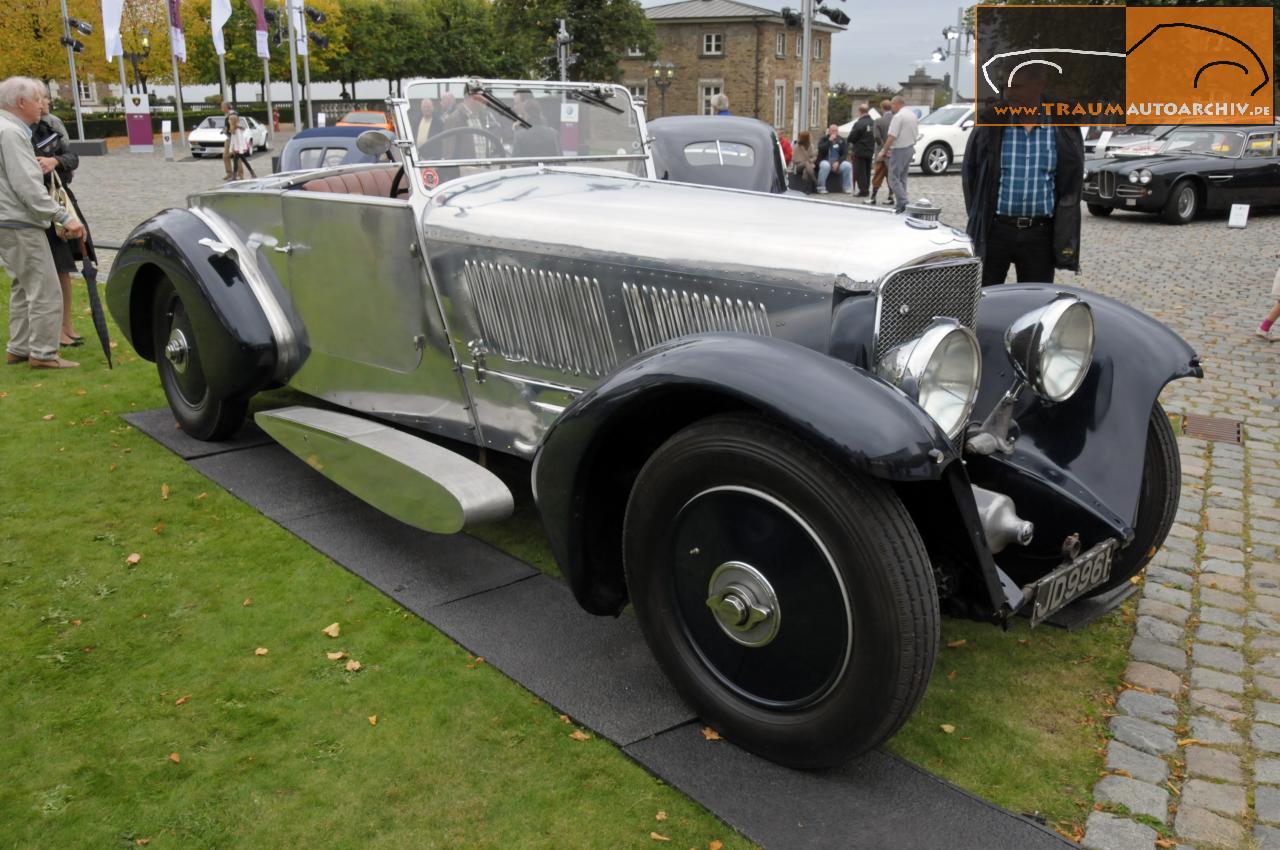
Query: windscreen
[(1204, 140), (946, 115), (485, 125)]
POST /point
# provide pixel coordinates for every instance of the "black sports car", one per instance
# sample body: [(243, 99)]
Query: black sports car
[(1192, 169)]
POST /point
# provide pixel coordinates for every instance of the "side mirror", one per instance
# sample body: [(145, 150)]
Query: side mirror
[(373, 143), (967, 124)]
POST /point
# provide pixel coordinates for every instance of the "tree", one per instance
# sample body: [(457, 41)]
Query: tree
[(602, 31)]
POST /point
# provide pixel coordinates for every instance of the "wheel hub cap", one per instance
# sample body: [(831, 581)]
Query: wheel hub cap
[(176, 351), (744, 604)]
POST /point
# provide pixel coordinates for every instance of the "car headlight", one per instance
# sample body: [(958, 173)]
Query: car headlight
[(1144, 176), (1052, 347), (939, 369), (1133, 177)]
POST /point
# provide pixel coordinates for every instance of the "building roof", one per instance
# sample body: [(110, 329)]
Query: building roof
[(720, 10)]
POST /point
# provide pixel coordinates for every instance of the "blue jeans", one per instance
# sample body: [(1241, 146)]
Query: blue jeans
[(846, 172)]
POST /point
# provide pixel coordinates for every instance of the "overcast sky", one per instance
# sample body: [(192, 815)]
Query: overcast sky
[(886, 40)]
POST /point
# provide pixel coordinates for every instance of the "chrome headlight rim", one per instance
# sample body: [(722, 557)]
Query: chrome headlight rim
[(1031, 336), (1144, 176), (913, 367)]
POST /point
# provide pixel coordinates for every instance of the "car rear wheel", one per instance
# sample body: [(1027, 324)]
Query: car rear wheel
[(936, 159), (1100, 210), (200, 412), (1157, 501), (790, 601), (1183, 203)]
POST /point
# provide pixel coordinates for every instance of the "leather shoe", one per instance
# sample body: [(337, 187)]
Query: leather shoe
[(55, 363), (11, 359)]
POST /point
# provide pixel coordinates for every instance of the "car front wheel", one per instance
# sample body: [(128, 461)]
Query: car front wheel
[(1183, 203), (790, 601), (1157, 501), (1100, 210), (936, 159), (200, 412)]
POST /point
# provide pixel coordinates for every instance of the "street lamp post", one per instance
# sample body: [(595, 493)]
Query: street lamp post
[(663, 74), (134, 57), (74, 46), (958, 44)]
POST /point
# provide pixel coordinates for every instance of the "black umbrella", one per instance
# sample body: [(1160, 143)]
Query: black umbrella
[(90, 272)]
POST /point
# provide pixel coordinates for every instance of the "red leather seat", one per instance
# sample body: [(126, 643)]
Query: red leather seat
[(371, 181)]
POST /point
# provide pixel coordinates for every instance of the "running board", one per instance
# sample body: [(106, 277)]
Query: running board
[(411, 479)]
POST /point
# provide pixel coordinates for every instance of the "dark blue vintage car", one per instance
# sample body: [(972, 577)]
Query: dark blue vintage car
[(1189, 171), (718, 150), (325, 147)]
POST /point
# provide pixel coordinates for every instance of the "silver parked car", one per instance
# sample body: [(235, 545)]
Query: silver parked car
[(788, 455)]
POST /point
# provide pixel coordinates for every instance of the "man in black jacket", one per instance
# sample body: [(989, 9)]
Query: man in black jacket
[(1022, 186), (862, 142), (833, 155)]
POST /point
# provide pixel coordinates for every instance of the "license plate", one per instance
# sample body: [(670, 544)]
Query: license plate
[(1070, 581)]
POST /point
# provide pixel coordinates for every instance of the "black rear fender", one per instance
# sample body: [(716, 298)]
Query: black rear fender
[(585, 467), (238, 351)]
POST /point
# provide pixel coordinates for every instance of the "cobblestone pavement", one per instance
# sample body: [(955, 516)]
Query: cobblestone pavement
[(1195, 755)]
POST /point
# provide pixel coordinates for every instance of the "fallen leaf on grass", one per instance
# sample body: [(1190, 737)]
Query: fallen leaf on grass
[(133, 560), (164, 492), (657, 836), (142, 842), (182, 700), (157, 528), (373, 720), (175, 758), (202, 496), (948, 728), (956, 644), (952, 676), (1024, 642), (262, 650), (47, 417), (710, 734), (353, 666), (660, 816), (113, 467), (335, 656), (82, 391), (567, 719), (715, 845), (332, 630), (247, 602), (579, 735), (476, 663), (75, 622), (4, 395)]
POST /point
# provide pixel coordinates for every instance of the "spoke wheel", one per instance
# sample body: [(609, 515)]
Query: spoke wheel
[(202, 413), (790, 601), (1183, 203)]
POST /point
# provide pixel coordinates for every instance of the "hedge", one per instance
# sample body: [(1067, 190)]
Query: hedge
[(101, 128)]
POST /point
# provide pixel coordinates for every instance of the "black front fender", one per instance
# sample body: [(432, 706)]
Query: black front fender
[(238, 352), (584, 467), (1077, 465)]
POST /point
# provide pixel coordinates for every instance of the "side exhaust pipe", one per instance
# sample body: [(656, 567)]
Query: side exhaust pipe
[(1000, 520)]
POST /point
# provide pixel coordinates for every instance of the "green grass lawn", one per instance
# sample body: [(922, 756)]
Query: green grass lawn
[(137, 707)]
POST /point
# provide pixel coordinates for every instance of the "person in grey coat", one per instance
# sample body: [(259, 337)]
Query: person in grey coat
[(26, 209)]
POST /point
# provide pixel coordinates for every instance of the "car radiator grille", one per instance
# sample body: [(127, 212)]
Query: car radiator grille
[(657, 314), (545, 318), (1107, 184), (911, 298)]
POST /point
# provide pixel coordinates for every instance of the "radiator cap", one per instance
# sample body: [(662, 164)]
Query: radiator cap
[(923, 214)]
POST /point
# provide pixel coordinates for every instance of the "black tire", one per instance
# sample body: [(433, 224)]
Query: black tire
[(857, 611), (1183, 203), (202, 414), (936, 159), (1157, 501), (1100, 210)]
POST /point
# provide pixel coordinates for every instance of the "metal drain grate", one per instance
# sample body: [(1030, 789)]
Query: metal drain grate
[(1212, 428)]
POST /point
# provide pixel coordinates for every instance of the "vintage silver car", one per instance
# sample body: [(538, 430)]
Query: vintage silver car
[(788, 455)]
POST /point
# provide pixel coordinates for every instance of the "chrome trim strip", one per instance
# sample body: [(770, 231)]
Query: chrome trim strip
[(522, 379), (287, 351)]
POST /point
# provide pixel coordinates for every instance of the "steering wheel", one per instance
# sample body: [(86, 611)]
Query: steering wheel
[(431, 149)]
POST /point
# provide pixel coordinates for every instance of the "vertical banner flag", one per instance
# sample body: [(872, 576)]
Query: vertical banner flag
[(260, 28), (177, 40), (220, 13), (299, 27), (111, 12)]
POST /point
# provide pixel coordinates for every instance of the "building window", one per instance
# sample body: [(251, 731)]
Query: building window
[(713, 44), (814, 114), (634, 51), (782, 45), (709, 89), (639, 91), (799, 46), (817, 48), (779, 102), (88, 93)]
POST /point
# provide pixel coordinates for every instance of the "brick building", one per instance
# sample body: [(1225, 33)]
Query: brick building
[(743, 51)]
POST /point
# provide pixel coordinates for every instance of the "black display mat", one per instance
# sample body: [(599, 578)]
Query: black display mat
[(598, 669)]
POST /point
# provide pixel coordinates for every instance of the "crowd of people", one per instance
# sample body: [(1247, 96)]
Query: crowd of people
[(42, 231), (877, 150)]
